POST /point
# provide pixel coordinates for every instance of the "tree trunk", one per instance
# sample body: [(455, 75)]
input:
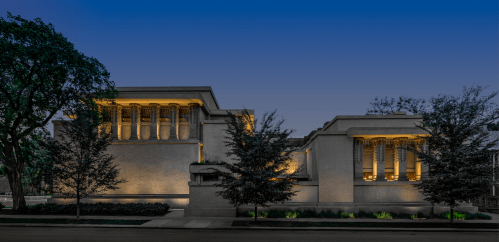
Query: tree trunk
[(77, 203), (16, 186), (451, 215), (256, 214)]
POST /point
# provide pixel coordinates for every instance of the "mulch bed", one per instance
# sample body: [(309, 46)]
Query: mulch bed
[(365, 224)]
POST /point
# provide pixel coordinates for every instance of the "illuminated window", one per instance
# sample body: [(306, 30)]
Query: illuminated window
[(184, 114), (368, 176), (125, 115), (145, 114), (389, 176), (106, 114), (164, 114)]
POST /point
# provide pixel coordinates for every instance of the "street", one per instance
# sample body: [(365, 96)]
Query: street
[(40, 234)]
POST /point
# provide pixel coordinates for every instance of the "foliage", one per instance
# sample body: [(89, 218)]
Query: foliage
[(383, 215), (41, 167), (459, 161), (137, 209), (1, 206), (3, 171), (361, 214), (291, 214), (457, 215), (82, 166), (206, 162), (262, 157), (493, 126), (260, 214), (42, 73)]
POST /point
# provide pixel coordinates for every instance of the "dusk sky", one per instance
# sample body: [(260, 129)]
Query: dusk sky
[(310, 60)]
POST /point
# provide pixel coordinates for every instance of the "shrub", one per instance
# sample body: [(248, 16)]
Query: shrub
[(470, 216), (351, 215), (382, 215), (343, 214), (363, 214), (307, 214), (143, 209), (260, 214), (457, 215), (291, 214), (276, 214), (327, 214), (1, 206)]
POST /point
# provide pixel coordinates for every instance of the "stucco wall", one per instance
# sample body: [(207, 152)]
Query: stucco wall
[(213, 137), (298, 159), (154, 168), (387, 193), (306, 194), (335, 167)]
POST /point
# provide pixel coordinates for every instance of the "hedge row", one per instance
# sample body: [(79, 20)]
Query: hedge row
[(329, 214), (142, 209)]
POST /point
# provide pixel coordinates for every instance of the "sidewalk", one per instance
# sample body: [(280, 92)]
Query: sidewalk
[(176, 219)]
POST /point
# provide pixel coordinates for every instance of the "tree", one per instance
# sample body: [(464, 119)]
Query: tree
[(82, 167), (260, 173), (459, 153), (40, 73), (40, 169)]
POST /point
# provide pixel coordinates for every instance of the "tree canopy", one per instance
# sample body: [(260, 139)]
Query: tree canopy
[(460, 149), (260, 172), (41, 73), (82, 167)]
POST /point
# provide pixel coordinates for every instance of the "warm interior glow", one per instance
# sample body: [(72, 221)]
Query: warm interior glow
[(368, 176), (389, 176)]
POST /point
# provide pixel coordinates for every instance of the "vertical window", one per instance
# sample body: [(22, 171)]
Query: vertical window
[(125, 114), (389, 161), (145, 114), (164, 114), (367, 166), (184, 114)]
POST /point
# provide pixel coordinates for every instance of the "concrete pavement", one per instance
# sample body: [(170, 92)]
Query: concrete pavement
[(175, 219)]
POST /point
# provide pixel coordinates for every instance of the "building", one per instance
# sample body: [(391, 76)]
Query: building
[(351, 164)]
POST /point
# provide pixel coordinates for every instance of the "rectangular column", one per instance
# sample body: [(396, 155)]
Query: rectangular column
[(359, 155), (418, 170), (380, 159), (174, 120), (400, 163), (134, 119), (154, 121), (194, 112), (114, 122), (118, 117)]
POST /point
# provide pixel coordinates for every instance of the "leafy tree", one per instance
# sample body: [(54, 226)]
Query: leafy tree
[(82, 167), (260, 172), (40, 73), (459, 161), (41, 167)]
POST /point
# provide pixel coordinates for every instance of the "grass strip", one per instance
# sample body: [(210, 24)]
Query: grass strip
[(74, 221), (364, 224)]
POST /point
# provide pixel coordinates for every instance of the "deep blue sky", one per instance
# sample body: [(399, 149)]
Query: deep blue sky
[(310, 60)]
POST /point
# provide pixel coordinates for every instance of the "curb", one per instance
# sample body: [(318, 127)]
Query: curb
[(257, 228)]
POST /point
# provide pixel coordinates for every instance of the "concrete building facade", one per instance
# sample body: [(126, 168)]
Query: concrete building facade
[(351, 164)]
